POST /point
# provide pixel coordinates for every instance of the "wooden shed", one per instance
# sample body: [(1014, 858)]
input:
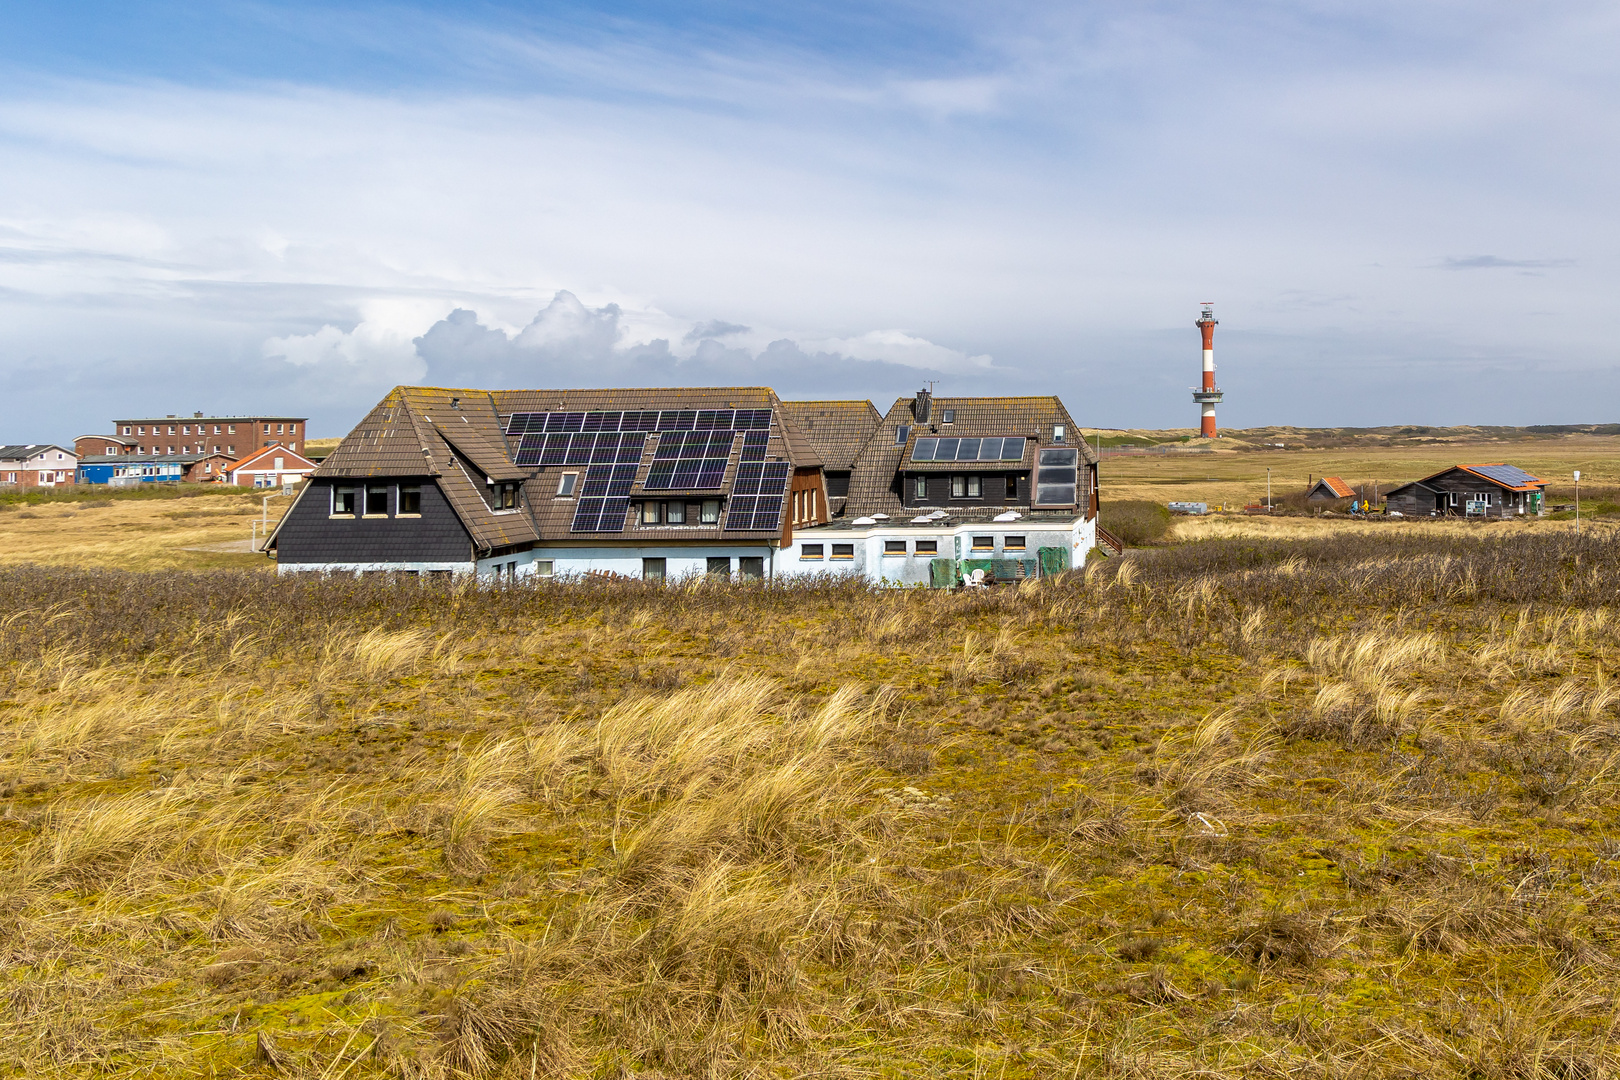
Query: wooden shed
[(1485, 491), (1329, 489)]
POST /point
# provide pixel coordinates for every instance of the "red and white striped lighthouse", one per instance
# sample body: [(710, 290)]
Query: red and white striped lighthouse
[(1208, 394)]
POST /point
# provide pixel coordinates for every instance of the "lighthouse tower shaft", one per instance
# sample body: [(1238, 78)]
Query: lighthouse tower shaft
[(1208, 394)]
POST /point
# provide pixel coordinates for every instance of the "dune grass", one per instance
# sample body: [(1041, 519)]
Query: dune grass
[(130, 530), (1243, 807), (1235, 479)]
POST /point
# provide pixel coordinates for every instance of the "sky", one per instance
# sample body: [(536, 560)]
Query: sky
[(1403, 212)]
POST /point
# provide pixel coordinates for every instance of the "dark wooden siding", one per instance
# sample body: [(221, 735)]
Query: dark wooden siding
[(311, 535), (993, 486), (1419, 499)]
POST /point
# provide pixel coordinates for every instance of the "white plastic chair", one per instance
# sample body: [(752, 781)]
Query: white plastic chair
[(975, 580)]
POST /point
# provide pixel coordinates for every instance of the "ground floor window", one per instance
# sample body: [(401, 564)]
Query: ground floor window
[(653, 569), (810, 552), (984, 543), (751, 567), (1012, 543), (720, 564), (928, 547), (894, 547), (545, 568), (843, 551)]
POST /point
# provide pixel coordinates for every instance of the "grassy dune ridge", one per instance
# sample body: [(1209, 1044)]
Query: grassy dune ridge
[(1237, 807)]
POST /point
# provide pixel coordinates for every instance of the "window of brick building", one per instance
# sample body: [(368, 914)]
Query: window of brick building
[(377, 501), (343, 501), (410, 501)]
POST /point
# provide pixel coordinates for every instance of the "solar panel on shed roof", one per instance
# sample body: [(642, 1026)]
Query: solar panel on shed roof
[(1511, 475)]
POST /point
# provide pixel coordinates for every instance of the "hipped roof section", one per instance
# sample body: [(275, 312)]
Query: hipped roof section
[(452, 435), (835, 429)]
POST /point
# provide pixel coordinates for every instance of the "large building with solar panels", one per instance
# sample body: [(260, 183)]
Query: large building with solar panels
[(1484, 491), (679, 482)]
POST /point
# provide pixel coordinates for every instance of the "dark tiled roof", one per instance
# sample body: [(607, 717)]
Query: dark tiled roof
[(836, 429), (875, 486), (149, 459), (17, 451)]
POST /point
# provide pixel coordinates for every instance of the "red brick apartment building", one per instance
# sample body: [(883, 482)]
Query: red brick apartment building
[(168, 436)]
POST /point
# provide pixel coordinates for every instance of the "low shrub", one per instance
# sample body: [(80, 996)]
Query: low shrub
[(1135, 521)]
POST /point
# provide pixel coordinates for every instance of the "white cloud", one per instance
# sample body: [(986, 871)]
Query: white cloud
[(380, 346), (569, 343), (908, 350)]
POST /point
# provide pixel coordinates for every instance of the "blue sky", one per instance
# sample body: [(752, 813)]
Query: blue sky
[(1403, 211)]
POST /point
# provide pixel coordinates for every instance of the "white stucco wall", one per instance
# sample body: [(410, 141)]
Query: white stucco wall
[(679, 562), (869, 560)]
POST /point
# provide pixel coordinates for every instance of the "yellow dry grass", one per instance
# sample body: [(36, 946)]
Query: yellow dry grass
[(1327, 807), (1286, 527), (1235, 478), (129, 534)]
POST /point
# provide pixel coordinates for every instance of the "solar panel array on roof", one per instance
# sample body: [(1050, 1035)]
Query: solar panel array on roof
[(640, 420), (993, 449), (757, 494), (694, 448), (580, 449), (690, 460), (1511, 475)]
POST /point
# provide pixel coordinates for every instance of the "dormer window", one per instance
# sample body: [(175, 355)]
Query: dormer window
[(1057, 433), (901, 434), (506, 496)]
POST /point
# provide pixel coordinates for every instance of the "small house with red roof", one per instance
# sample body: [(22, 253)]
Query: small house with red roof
[(1484, 491), (273, 466), (1330, 489)]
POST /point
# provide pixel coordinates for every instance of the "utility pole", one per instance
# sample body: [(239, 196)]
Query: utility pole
[(1268, 490), (1577, 502)]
